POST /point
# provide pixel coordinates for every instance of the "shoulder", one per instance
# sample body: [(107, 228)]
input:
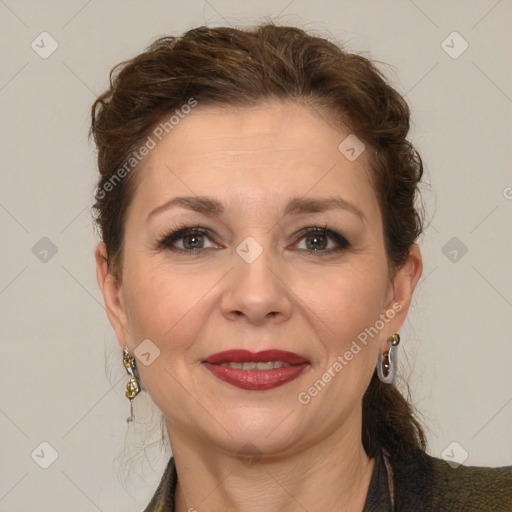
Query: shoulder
[(474, 487), (443, 487)]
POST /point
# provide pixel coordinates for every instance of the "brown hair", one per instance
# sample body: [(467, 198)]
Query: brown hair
[(229, 66)]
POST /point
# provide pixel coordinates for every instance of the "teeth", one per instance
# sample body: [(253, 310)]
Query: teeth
[(270, 365)]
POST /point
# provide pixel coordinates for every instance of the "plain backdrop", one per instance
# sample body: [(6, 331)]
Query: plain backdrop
[(62, 381)]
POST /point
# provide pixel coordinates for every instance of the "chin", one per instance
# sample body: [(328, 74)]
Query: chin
[(256, 431)]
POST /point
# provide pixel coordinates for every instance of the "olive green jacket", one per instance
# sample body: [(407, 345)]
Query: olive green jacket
[(421, 483)]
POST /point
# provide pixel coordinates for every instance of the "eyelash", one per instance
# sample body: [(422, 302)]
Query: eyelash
[(182, 230)]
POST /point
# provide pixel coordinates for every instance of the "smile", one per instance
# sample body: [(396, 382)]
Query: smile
[(270, 365), (256, 371)]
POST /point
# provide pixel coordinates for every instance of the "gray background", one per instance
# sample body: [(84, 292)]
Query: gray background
[(62, 381)]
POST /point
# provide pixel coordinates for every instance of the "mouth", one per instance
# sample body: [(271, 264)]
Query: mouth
[(256, 371)]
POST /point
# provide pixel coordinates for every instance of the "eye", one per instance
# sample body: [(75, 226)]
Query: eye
[(191, 239), (317, 240)]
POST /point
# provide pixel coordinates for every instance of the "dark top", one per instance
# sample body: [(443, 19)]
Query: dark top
[(420, 483)]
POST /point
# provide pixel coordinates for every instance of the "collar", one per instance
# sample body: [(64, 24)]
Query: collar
[(378, 498)]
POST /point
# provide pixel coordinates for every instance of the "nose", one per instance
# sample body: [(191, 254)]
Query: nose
[(258, 290)]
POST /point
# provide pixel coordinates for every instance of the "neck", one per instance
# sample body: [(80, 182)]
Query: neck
[(333, 471)]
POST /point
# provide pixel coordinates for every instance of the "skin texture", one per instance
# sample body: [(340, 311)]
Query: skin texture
[(292, 297)]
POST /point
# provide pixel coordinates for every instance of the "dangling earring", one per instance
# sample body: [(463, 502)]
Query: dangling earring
[(133, 387), (386, 363)]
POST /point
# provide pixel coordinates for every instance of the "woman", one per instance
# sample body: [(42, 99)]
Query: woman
[(258, 258)]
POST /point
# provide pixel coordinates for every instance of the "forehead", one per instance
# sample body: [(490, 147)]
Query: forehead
[(264, 153)]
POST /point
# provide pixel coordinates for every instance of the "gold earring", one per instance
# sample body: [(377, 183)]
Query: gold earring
[(133, 386)]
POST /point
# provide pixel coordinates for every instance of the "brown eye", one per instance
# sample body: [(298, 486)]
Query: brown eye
[(194, 241), (186, 240), (317, 240), (191, 240)]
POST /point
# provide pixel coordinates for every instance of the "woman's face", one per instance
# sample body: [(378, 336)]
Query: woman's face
[(247, 277)]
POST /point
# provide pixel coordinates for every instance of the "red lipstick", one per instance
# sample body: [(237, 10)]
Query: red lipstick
[(256, 371)]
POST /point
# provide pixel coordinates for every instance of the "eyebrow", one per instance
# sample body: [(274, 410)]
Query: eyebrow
[(298, 205)]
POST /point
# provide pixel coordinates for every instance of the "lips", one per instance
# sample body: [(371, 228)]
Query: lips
[(256, 371), (244, 356)]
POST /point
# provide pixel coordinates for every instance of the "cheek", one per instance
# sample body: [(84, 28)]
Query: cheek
[(169, 307), (351, 300), (156, 305), (351, 303), (352, 344), (163, 309)]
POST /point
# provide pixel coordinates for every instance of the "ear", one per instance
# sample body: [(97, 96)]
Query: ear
[(403, 284), (111, 289)]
